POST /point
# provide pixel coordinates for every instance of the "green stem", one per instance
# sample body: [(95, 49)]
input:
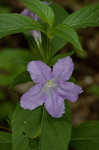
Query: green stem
[(41, 50)]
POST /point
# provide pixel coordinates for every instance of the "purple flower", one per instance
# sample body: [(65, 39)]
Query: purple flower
[(51, 87), (35, 33)]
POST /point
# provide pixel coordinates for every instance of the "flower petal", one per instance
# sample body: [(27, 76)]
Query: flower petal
[(39, 71), (33, 98), (54, 104), (69, 91), (63, 69)]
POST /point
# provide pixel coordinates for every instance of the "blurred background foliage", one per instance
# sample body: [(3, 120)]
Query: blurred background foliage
[(86, 67)]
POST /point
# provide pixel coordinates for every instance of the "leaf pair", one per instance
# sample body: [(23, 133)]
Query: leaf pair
[(28, 126)]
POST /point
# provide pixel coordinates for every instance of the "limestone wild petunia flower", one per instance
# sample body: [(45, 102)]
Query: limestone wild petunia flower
[(51, 87)]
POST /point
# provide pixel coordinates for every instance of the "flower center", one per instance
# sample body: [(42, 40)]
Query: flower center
[(50, 83)]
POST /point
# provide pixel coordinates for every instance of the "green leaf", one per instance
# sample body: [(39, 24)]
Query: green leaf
[(81, 53), (85, 17), (42, 10), (56, 133), (86, 136), (44, 131), (13, 56), (25, 126), (60, 14), (20, 141), (5, 137), (14, 62), (21, 78), (57, 43), (60, 56), (16, 23), (67, 33), (28, 121), (25, 123)]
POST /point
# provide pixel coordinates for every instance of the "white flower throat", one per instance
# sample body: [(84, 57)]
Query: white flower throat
[(50, 84)]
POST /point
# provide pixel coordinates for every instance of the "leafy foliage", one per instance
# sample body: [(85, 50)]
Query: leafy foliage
[(84, 18), (67, 33), (38, 123), (60, 13), (56, 131), (25, 123), (16, 23)]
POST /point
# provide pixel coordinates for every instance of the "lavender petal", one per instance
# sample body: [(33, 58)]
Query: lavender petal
[(69, 91), (63, 69), (33, 98), (39, 71), (54, 104)]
